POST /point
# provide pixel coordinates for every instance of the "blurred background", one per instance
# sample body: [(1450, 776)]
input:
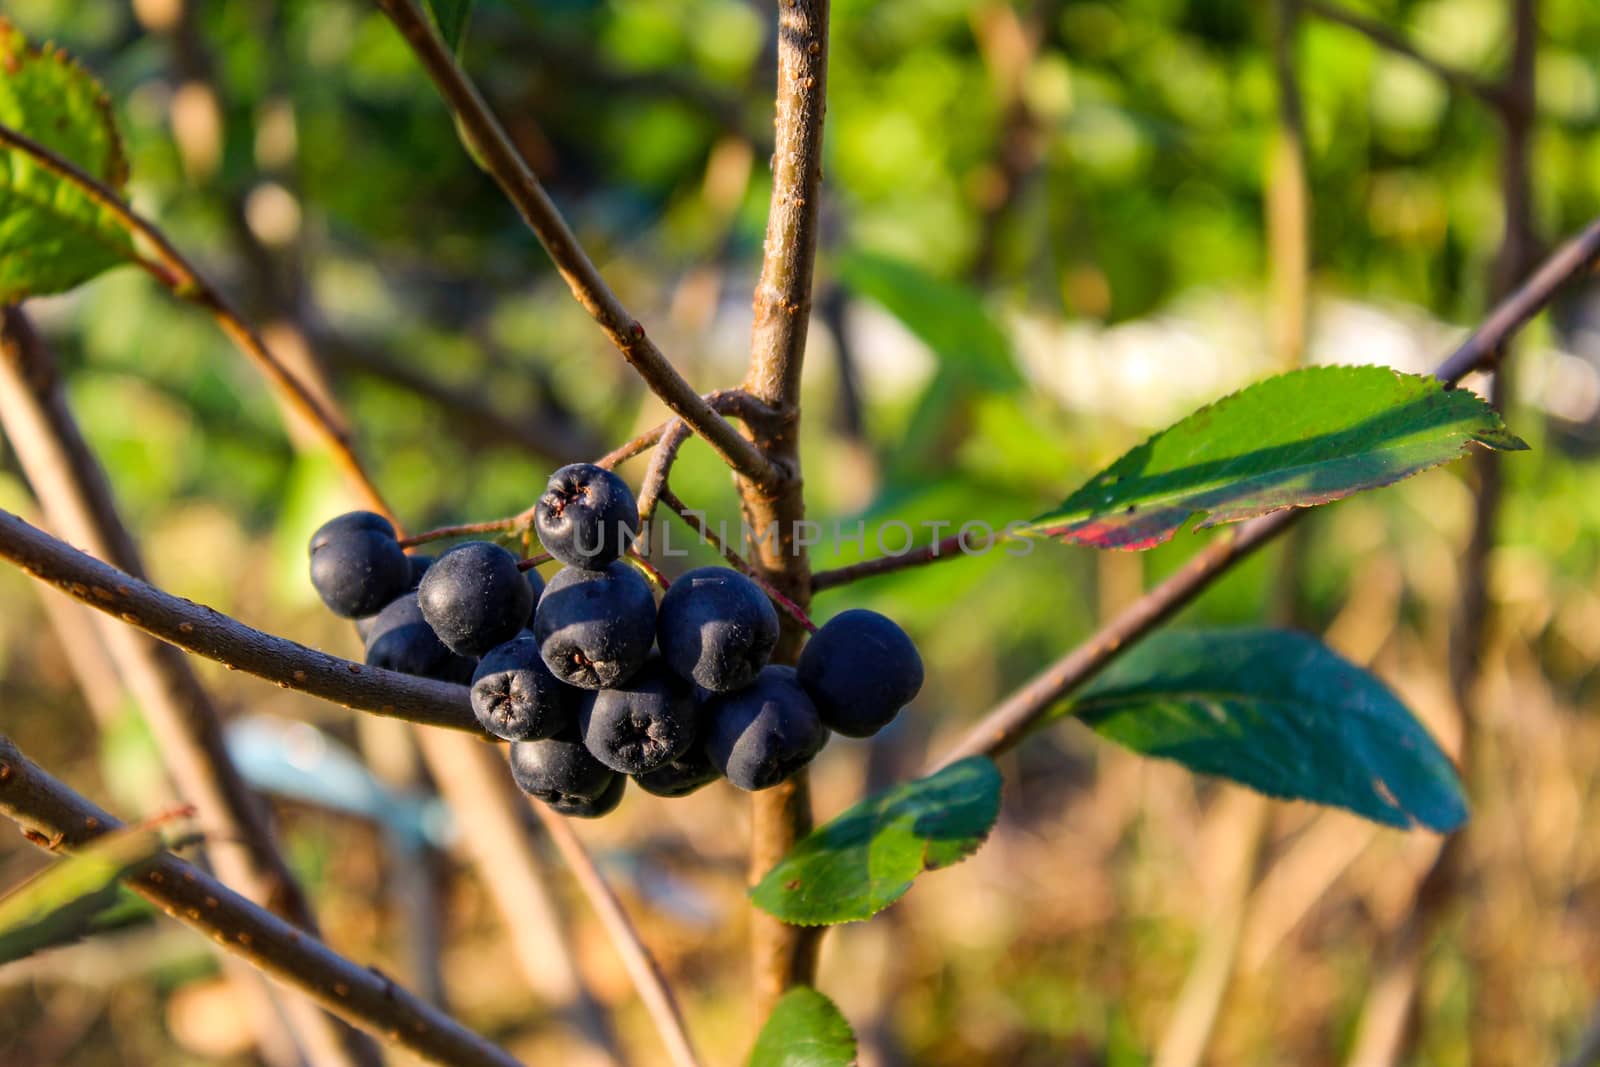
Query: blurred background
[(1051, 228)]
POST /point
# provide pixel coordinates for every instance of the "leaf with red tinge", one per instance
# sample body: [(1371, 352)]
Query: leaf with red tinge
[(1304, 438)]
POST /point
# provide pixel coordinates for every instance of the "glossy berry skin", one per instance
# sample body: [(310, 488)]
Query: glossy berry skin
[(475, 598), (716, 628), (536, 583), (642, 723), (515, 696), (560, 772), (357, 566), (595, 628), (586, 517), (604, 804), (400, 639), (860, 669), (761, 735), (678, 778)]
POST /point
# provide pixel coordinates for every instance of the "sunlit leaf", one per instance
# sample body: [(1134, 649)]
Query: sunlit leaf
[(864, 860), (1303, 438), (804, 1030)]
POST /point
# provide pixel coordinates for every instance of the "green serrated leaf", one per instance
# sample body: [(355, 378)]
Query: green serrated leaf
[(864, 860), (451, 16), (1279, 712), (805, 1029), (65, 901), (52, 235), (1307, 437)]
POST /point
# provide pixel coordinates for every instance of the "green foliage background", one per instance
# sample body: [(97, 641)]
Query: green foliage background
[(1067, 940)]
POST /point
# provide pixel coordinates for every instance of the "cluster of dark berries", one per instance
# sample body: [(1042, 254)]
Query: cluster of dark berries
[(590, 680)]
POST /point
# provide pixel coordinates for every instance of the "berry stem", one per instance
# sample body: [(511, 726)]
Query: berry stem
[(693, 521), (949, 548), (648, 569), (511, 522)]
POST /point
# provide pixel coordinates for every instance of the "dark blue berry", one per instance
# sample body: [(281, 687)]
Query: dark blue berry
[(716, 628), (475, 598), (400, 639), (357, 566), (860, 669), (762, 735), (587, 516), (642, 723), (595, 628), (516, 697)]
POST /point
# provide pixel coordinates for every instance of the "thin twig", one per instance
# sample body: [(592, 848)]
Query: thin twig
[(1390, 40), (76, 497), (185, 282), (511, 172), (56, 816), (949, 548), (781, 955), (642, 967), (696, 522), (1008, 723), (655, 476), (209, 633)]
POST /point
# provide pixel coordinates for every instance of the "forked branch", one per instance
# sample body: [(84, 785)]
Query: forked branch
[(512, 173)]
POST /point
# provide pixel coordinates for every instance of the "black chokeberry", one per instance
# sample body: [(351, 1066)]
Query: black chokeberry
[(682, 776), (561, 772), (400, 639), (761, 735), (595, 628), (357, 566), (604, 804), (860, 669), (475, 598), (419, 567), (642, 723), (716, 628), (587, 516), (515, 696)]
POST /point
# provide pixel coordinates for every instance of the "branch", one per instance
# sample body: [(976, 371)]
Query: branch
[(73, 490), (783, 956), (641, 965), (363, 995), (655, 476), (209, 633), (1390, 40), (186, 283), (1007, 724), (511, 172), (937, 552)]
